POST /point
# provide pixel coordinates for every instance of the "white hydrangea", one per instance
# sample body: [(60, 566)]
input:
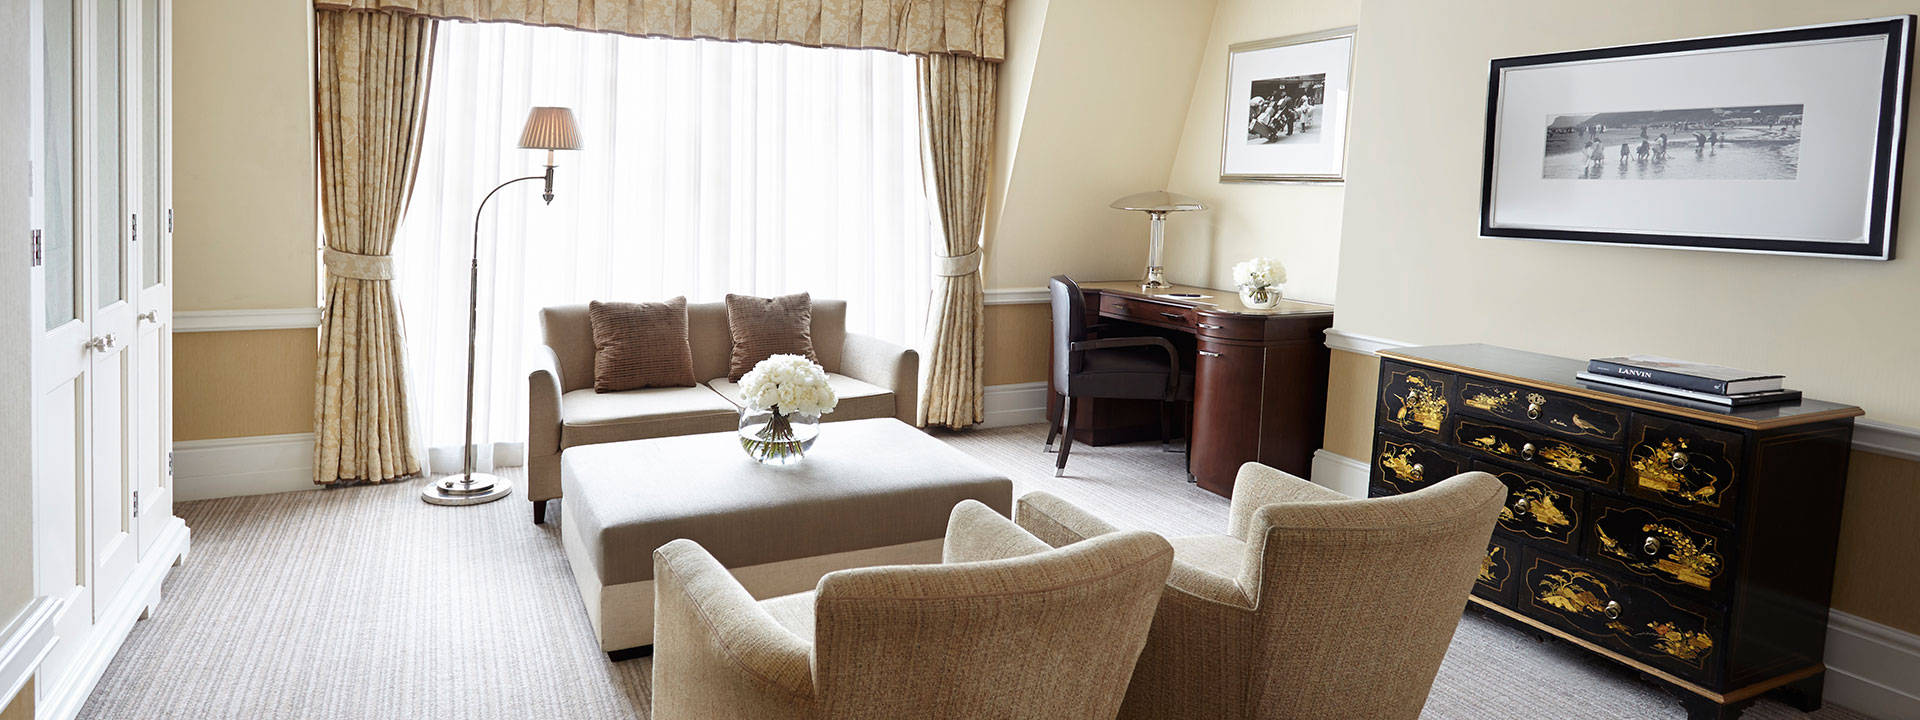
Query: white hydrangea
[(1259, 272), (788, 384)]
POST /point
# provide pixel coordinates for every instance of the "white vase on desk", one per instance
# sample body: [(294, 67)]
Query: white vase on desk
[(1265, 297)]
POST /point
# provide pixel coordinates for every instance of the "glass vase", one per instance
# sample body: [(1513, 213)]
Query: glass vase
[(772, 437), (1260, 298)]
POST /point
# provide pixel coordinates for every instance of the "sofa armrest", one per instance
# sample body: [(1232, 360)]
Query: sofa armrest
[(878, 362), (975, 533), (1258, 485), (543, 404), (718, 653), (1057, 522)]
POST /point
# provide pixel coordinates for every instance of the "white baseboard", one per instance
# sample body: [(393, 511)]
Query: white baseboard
[(1016, 404), (1340, 473), (206, 469), (1872, 668), (24, 642), (138, 600)]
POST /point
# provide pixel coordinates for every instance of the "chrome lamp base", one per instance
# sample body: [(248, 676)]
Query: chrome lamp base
[(473, 489)]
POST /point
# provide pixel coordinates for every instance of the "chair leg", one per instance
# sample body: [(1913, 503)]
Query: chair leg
[(1066, 436), (539, 512), (1166, 426), (1053, 426)]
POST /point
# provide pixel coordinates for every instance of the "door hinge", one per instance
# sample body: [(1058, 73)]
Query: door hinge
[(136, 503), (136, 227), (37, 260), (169, 463), (169, 221)]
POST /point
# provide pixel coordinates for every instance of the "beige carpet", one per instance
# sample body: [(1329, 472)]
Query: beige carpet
[(366, 603)]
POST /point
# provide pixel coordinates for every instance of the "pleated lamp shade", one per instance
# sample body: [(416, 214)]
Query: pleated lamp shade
[(550, 128)]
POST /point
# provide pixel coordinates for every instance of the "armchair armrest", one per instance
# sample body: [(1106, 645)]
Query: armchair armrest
[(543, 404), (719, 654), (1057, 522), (1173, 356), (1258, 485), (878, 362), (975, 533)]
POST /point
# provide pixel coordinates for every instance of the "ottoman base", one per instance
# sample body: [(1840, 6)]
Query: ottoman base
[(622, 615)]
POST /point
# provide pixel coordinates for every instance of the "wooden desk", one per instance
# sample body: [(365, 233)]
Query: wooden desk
[(1260, 377)]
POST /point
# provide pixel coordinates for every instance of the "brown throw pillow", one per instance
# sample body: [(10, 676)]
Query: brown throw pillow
[(765, 327), (640, 345)]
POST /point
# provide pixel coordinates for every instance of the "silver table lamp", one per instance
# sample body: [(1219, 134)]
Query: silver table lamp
[(1156, 205), (549, 129)]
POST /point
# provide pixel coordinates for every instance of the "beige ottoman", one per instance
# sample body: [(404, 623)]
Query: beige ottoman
[(871, 492)]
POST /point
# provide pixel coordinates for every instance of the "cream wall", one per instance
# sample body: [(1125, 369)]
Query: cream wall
[(1412, 268), (1298, 225), (245, 203), (1092, 97)]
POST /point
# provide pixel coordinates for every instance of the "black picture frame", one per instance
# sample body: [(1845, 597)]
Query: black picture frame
[(1889, 152)]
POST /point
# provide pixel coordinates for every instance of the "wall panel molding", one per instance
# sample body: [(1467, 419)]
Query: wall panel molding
[(237, 320), (1017, 296), (1015, 404), (24, 643), (1869, 435)]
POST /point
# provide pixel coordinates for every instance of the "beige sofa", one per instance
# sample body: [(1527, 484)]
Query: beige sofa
[(873, 379)]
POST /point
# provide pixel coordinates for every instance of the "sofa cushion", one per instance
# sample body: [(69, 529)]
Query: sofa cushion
[(765, 327), (568, 330), (640, 345), (858, 400), (588, 417), (793, 612)]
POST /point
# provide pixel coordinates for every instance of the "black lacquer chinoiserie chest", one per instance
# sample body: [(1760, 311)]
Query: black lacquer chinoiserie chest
[(1692, 543)]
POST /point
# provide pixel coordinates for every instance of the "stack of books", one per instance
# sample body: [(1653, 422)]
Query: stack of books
[(1712, 384)]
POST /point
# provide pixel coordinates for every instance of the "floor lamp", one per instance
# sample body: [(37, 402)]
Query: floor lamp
[(549, 129)]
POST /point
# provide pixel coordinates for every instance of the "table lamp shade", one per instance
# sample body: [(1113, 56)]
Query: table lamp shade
[(550, 128)]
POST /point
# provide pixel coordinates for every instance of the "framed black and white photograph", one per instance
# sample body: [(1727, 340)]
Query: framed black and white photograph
[(1784, 141), (1286, 114)]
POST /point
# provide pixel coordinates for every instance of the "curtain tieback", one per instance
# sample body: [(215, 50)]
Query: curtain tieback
[(360, 267), (957, 266)]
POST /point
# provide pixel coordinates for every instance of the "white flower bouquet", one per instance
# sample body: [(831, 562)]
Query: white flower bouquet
[(785, 395), (1259, 280)]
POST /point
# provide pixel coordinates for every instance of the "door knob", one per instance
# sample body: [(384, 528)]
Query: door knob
[(152, 316), (100, 343)]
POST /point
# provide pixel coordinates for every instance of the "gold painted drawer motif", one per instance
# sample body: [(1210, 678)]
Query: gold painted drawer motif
[(1632, 619), (1657, 546), (1556, 457), (1414, 401), (1496, 572), (1539, 509), (1533, 409), (1406, 466), (1683, 465)]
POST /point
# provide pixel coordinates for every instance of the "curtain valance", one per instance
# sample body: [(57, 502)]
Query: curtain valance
[(974, 28)]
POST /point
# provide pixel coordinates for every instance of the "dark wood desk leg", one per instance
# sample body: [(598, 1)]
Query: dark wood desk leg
[(1166, 426), (1066, 436)]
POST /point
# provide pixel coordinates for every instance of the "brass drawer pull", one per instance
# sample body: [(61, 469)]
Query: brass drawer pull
[(1419, 471), (1520, 506), (1612, 610), (1652, 546), (1533, 412), (1678, 461), (1204, 353), (1173, 316), (1210, 326), (1526, 451)]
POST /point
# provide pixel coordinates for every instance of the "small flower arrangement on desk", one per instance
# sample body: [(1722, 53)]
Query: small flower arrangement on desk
[(1260, 281), (783, 398)]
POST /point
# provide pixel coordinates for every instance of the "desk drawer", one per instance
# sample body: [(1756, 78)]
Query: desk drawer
[(1149, 313), (1414, 400), (1684, 465), (1406, 466), (1541, 510), (1532, 409), (1642, 623), (1497, 578), (1680, 553)]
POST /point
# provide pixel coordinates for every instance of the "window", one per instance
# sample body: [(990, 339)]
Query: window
[(708, 168)]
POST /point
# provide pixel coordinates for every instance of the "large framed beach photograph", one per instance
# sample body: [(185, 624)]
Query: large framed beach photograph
[(1286, 114), (1784, 141)]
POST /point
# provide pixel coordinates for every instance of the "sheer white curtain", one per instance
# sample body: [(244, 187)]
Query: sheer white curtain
[(709, 168)]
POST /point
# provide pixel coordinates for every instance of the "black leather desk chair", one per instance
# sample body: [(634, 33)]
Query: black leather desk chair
[(1122, 368)]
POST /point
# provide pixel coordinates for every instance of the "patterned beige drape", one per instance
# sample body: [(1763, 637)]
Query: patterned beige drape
[(371, 78), (957, 102), (975, 28)]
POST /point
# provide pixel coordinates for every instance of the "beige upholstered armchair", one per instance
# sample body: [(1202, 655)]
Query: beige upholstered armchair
[(1007, 628), (1314, 605), (873, 379)]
